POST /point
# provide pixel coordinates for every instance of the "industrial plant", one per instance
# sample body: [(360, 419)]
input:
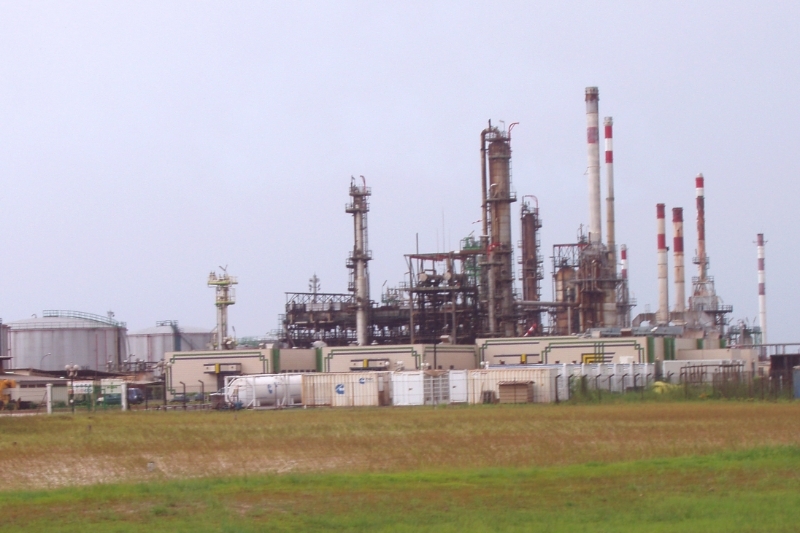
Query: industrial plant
[(459, 296), (456, 316)]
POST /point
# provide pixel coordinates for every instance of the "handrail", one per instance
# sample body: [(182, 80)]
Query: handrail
[(54, 313)]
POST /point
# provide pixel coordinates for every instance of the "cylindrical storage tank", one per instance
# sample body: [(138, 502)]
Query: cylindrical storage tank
[(265, 390), (61, 338), (150, 344), (3, 345)]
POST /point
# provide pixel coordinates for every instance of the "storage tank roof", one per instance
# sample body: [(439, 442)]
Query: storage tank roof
[(167, 330), (66, 320)]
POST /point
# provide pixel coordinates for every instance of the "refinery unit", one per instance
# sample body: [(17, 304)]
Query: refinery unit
[(459, 296), (457, 311)]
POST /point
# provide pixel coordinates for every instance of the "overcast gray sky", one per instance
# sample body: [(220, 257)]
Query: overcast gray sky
[(144, 144)]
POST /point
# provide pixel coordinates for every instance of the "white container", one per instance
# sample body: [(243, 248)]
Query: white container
[(264, 390), (488, 380), (408, 388), (354, 389)]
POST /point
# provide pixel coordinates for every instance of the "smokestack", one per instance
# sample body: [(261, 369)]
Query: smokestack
[(608, 122), (592, 138), (662, 316), (677, 251), (762, 294), (702, 259), (623, 254)]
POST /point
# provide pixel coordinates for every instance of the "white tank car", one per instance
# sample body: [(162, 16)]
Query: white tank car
[(265, 390)]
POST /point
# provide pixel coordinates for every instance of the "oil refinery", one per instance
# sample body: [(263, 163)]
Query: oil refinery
[(464, 310)]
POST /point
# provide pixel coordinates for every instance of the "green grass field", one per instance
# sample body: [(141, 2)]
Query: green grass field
[(710, 466)]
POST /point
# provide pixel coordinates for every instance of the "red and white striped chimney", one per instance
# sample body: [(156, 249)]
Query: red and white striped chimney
[(762, 293), (662, 315), (593, 150), (677, 251), (702, 259), (608, 124), (623, 254)]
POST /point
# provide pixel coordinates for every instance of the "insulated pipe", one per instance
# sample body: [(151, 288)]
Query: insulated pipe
[(593, 150), (762, 294), (485, 231), (702, 260), (484, 220), (677, 251), (608, 122), (662, 316), (623, 254)]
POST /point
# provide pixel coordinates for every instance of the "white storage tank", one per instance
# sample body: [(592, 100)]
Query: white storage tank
[(60, 338), (167, 336), (265, 390)]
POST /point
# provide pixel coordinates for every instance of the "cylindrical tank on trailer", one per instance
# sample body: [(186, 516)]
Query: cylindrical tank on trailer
[(265, 390)]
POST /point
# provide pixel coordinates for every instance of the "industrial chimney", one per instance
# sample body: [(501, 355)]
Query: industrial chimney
[(592, 139), (702, 259), (608, 122), (662, 316), (762, 294), (677, 251), (623, 259)]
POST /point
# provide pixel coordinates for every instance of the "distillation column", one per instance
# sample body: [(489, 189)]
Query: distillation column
[(677, 250), (531, 266), (762, 293), (225, 297), (498, 200), (662, 315), (593, 150), (358, 207)]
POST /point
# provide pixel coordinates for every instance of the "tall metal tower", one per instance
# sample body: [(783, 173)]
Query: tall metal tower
[(497, 197), (360, 256), (225, 296)]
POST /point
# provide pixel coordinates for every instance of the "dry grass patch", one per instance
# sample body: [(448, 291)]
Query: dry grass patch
[(85, 449)]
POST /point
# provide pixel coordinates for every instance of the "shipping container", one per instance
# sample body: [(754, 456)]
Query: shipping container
[(484, 385), (408, 388), (355, 389)]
